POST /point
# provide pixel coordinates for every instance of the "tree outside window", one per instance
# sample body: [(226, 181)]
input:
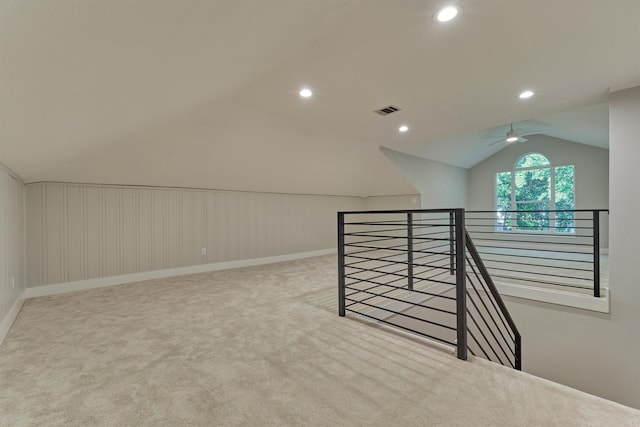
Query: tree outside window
[(526, 195)]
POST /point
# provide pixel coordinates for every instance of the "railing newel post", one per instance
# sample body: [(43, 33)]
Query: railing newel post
[(596, 254), (518, 351), (341, 262), (452, 260), (410, 251), (461, 288)]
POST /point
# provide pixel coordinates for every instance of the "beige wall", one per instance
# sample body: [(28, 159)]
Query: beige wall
[(624, 259), (11, 240), (405, 201), (78, 232), (441, 186)]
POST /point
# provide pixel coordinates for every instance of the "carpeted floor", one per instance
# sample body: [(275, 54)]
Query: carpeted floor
[(259, 346)]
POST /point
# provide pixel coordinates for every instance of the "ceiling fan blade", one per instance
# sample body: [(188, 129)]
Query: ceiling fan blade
[(522, 139), (496, 142), (532, 131)]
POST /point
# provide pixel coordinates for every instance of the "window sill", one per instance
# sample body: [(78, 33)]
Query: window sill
[(552, 296)]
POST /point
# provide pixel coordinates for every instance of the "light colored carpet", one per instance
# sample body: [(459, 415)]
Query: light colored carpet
[(258, 346)]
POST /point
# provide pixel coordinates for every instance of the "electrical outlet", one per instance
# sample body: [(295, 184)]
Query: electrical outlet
[(13, 282), (203, 251)]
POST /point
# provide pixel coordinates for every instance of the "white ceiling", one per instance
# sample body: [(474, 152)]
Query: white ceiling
[(201, 93), (586, 125)]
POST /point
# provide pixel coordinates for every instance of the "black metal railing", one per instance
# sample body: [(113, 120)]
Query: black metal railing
[(416, 270), (545, 249), (493, 332)]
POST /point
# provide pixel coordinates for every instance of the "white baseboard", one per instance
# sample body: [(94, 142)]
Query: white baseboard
[(7, 322), (60, 288)]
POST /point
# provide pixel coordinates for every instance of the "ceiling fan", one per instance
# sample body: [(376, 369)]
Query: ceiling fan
[(512, 136)]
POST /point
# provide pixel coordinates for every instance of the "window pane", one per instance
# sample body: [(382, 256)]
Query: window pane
[(532, 159), (533, 221), (565, 199), (533, 185), (503, 201)]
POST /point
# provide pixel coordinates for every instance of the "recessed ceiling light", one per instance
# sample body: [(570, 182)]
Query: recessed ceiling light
[(447, 13), (526, 94), (403, 128), (305, 92)]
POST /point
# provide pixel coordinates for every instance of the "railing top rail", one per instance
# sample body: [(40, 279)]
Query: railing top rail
[(545, 210), (400, 211)]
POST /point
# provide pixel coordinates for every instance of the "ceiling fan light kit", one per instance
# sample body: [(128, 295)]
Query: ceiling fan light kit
[(512, 136), (447, 13), (526, 94)]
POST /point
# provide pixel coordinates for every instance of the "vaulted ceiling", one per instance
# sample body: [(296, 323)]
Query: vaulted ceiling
[(203, 94)]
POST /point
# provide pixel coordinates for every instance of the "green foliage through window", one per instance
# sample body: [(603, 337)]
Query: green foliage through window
[(531, 160), (503, 200), (565, 195), (530, 191)]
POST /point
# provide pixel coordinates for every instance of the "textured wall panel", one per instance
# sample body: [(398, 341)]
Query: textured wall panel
[(93, 233), (74, 226), (173, 201), (11, 241), (78, 231), (130, 235), (144, 229), (111, 229), (34, 234), (5, 262), (53, 199), (159, 229)]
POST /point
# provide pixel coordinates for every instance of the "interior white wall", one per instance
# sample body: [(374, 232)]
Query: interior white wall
[(624, 264), (78, 232), (591, 174), (440, 185), (399, 202), (594, 352), (11, 245)]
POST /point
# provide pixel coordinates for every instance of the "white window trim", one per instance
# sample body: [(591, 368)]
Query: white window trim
[(552, 196)]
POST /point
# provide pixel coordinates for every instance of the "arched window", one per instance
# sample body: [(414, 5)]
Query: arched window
[(528, 195)]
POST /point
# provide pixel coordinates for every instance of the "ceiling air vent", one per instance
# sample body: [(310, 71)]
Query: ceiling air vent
[(387, 110)]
